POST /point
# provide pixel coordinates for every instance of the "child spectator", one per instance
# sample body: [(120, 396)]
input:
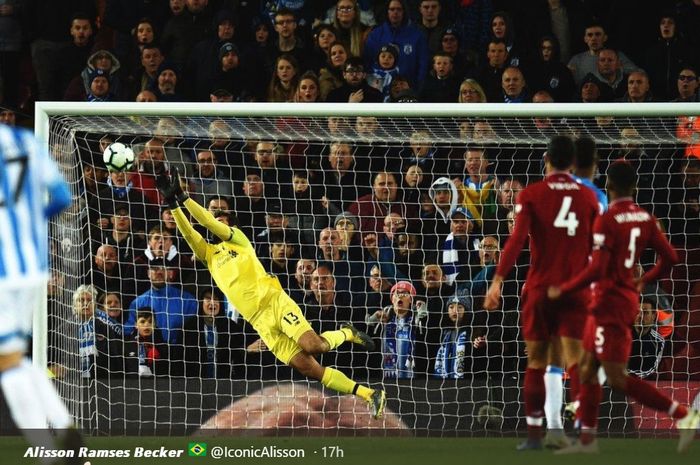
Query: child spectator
[(455, 347), (441, 84), (385, 69), (148, 345), (403, 333)]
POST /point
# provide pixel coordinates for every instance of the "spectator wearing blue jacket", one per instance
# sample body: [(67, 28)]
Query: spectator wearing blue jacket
[(170, 304), (414, 55)]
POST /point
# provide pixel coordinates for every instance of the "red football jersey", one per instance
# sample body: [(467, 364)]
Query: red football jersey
[(624, 231), (558, 214)]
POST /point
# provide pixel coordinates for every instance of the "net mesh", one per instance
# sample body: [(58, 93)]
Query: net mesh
[(287, 181)]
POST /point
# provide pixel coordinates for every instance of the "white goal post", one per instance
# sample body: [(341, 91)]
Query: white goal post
[(514, 137)]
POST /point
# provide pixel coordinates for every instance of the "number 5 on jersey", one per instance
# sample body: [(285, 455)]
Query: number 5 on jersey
[(566, 218)]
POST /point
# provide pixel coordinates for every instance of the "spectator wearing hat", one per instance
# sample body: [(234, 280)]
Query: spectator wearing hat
[(100, 88), (431, 23), (170, 304), (276, 221), (103, 60), (442, 84), (412, 43), (166, 83), (385, 69), (464, 60), (444, 198), (403, 332), (592, 90), (348, 227), (458, 251), (453, 357), (8, 114), (355, 88), (206, 55), (550, 74)]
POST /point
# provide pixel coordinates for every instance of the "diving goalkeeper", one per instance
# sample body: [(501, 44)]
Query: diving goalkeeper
[(260, 299)]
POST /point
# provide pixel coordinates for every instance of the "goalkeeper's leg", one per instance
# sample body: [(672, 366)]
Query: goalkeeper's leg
[(334, 379)]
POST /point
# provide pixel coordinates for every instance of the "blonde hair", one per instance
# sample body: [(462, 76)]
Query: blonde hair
[(474, 85), (83, 289), (357, 31)]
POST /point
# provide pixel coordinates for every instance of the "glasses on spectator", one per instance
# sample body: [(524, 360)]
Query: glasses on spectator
[(686, 77), (354, 71), (346, 9)]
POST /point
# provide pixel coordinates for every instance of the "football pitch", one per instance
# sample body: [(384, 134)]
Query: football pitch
[(357, 450)]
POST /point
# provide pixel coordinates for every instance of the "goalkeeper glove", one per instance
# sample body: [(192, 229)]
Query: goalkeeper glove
[(169, 187)]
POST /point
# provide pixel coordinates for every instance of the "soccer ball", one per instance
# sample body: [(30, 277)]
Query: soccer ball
[(118, 157)]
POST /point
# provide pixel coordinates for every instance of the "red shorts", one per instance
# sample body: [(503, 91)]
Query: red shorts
[(542, 318), (608, 342)]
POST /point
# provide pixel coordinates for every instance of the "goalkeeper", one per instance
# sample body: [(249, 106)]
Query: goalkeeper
[(260, 299)]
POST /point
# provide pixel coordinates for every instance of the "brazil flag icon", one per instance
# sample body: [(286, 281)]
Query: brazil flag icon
[(197, 449)]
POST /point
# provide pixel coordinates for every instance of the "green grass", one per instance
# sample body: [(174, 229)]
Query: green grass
[(380, 451)]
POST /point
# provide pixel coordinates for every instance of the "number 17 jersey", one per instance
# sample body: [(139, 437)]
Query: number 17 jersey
[(558, 213)]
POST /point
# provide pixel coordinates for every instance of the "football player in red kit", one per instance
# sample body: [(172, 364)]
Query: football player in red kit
[(619, 237), (557, 213)]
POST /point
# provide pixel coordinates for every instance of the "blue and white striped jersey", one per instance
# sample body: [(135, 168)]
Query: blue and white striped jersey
[(31, 190)]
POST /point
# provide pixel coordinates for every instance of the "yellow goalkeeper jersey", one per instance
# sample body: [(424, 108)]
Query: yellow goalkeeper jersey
[(232, 263)]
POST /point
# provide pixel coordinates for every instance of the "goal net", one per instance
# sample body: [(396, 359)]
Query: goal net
[(341, 202)]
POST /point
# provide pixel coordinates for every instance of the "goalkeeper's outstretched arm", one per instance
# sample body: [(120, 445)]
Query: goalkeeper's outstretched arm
[(221, 230), (195, 240)]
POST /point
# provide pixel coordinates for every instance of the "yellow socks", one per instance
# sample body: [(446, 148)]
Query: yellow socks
[(335, 338), (336, 380)]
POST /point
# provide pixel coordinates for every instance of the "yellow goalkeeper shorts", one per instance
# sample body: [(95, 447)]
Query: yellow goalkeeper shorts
[(280, 324)]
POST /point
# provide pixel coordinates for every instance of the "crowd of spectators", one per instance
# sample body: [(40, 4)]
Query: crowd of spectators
[(348, 51), (400, 238)]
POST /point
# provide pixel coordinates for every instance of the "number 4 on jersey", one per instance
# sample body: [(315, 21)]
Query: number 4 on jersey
[(566, 218)]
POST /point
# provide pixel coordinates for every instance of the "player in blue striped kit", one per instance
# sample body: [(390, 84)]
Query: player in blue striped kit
[(31, 191)]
